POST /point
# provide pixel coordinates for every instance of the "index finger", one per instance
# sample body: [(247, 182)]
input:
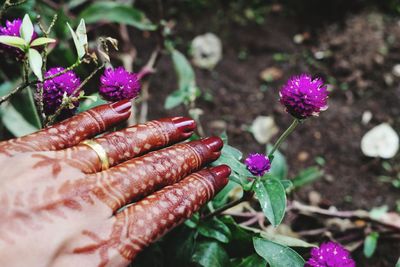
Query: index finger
[(70, 131)]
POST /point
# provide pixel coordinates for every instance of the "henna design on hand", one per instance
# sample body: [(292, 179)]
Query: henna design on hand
[(147, 220), (71, 131)]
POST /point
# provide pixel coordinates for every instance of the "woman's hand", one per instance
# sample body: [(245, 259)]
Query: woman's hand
[(60, 206)]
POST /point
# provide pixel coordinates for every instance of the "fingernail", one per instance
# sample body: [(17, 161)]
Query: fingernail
[(122, 106), (221, 174), (221, 171), (184, 125), (213, 143)]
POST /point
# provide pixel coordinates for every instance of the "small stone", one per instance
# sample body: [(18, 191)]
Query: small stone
[(218, 124), (381, 141), (298, 38), (366, 117), (396, 70), (271, 74), (264, 128), (317, 135), (206, 50), (315, 198), (303, 156)]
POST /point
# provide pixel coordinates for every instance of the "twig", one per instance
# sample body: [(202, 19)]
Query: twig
[(7, 4), (39, 100), (53, 117), (353, 215), (34, 82)]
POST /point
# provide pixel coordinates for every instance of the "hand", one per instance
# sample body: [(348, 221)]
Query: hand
[(60, 208)]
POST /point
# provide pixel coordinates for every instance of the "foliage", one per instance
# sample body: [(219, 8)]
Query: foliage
[(212, 237)]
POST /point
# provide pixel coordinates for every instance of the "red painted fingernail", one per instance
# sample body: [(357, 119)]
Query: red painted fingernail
[(221, 174), (122, 106), (213, 143), (184, 125)]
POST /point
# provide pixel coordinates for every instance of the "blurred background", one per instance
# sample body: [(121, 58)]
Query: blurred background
[(353, 45)]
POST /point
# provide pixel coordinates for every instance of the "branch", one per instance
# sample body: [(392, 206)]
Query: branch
[(34, 82), (352, 215), (52, 118), (7, 4)]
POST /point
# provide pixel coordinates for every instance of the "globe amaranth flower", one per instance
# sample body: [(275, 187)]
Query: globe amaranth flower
[(55, 88), (118, 84), (304, 96), (330, 254), (12, 28), (258, 164)]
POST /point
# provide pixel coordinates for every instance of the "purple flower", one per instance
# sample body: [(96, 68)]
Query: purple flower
[(12, 29), (303, 96), (118, 84), (55, 88), (330, 254), (258, 164)]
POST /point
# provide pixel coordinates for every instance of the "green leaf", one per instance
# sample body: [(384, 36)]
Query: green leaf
[(6, 87), (277, 255), (26, 30), (15, 122), (279, 167), (307, 176), (42, 41), (92, 101), (398, 263), (286, 240), (234, 152), (370, 244), (272, 197), (35, 63), (215, 229), (250, 261), (287, 184), (222, 197), (13, 41), (118, 13), (210, 254), (80, 49), (174, 99), (82, 35), (186, 78)]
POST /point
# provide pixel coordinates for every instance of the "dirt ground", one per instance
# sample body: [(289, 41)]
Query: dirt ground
[(365, 47)]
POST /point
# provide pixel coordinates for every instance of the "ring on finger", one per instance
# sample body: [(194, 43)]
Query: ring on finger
[(100, 151)]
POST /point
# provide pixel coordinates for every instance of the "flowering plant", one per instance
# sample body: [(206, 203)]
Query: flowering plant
[(241, 226)]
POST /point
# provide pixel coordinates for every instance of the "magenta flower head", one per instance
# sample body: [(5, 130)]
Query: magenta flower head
[(258, 164), (304, 96), (12, 29), (118, 84), (330, 254), (55, 88)]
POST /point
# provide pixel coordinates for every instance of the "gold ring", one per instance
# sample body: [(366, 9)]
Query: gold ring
[(100, 151)]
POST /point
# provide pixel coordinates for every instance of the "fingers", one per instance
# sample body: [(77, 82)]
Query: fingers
[(142, 176), (70, 131), (130, 142), (147, 220)]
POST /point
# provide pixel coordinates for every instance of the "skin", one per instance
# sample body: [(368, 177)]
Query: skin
[(60, 209)]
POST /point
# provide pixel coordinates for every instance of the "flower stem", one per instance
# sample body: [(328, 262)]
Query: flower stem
[(246, 196), (283, 137)]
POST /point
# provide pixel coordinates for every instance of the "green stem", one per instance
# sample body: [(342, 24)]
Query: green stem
[(283, 137), (246, 196), (38, 122)]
